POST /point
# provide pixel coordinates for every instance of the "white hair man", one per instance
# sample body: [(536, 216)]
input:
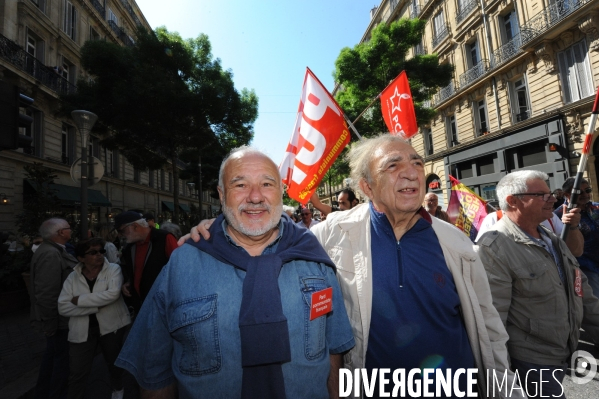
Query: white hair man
[(431, 204), (246, 313), (147, 251), (536, 282), (415, 290), (50, 266)]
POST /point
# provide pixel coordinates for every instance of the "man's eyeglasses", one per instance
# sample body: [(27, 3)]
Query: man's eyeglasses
[(545, 196), (122, 229), (94, 252), (587, 190), (64, 228)]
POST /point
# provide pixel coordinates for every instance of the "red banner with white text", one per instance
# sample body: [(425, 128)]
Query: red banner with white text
[(397, 107), (466, 210), (319, 136)]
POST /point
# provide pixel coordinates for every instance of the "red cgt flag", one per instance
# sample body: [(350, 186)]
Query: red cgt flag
[(319, 136), (398, 108)]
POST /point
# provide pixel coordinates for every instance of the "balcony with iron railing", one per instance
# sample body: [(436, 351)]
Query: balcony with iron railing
[(129, 9), (506, 51), (121, 33), (474, 73), (444, 93), (465, 9), (13, 53), (441, 34), (99, 7), (548, 18)]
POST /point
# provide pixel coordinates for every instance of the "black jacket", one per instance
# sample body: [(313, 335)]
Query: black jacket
[(155, 261)]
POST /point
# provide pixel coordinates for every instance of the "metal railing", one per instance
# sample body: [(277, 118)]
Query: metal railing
[(507, 51), (24, 61), (522, 116), (121, 33), (444, 93), (548, 18), (441, 34), (129, 9), (99, 7), (465, 9), (474, 73)]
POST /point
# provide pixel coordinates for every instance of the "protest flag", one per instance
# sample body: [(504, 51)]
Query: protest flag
[(466, 210), (319, 135), (397, 107)]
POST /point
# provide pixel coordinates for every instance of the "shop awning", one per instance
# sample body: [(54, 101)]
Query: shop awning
[(168, 206), (69, 195), (184, 208)]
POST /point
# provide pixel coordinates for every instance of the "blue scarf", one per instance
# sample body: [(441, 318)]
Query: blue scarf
[(262, 324)]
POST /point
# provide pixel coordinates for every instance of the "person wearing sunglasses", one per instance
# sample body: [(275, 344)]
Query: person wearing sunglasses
[(91, 298), (589, 227)]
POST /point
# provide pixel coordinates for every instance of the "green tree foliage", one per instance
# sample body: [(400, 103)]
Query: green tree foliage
[(164, 99), (365, 70)]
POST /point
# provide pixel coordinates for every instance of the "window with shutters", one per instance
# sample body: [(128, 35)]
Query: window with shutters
[(451, 129), (519, 99), (575, 72), (473, 54), (480, 117), (69, 25)]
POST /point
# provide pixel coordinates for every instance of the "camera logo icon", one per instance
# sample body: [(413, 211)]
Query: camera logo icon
[(584, 364)]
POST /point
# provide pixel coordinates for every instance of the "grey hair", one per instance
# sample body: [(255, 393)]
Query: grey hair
[(360, 155), (516, 182), (237, 152), (172, 228), (288, 209), (141, 222), (50, 227)]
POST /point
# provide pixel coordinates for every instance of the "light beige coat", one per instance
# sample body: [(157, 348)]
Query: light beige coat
[(346, 238)]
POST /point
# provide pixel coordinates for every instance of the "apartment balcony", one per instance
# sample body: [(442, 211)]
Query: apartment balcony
[(465, 9), (474, 73), (121, 33), (99, 7), (13, 53), (444, 93), (548, 18), (129, 9), (441, 34), (507, 51)]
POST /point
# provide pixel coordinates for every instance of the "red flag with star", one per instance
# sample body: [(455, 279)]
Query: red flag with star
[(397, 107)]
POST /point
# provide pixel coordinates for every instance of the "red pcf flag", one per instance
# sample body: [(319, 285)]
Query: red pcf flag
[(398, 108), (319, 136)]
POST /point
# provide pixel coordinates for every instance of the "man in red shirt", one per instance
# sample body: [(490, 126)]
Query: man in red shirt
[(144, 256)]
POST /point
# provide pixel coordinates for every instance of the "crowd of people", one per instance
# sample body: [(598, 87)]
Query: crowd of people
[(258, 304)]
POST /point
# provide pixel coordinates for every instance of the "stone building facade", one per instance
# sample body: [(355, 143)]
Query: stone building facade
[(40, 43), (525, 77)]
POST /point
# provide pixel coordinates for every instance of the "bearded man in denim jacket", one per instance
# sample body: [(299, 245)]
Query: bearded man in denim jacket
[(235, 316)]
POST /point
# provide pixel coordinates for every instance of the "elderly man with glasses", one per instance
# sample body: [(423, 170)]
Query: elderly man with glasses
[(307, 220), (589, 227), (538, 289), (147, 251), (50, 266)]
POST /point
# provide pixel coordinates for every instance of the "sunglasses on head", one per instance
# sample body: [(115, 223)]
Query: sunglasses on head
[(94, 252)]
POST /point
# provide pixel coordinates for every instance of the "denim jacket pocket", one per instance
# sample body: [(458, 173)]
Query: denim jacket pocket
[(194, 325), (314, 330)]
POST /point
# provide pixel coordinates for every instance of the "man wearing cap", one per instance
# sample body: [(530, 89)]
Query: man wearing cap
[(147, 251), (149, 216)]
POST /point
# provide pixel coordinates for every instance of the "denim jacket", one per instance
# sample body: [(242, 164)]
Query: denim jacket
[(188, 328)]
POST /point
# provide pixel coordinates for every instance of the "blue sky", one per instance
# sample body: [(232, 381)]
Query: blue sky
[(268, 45)]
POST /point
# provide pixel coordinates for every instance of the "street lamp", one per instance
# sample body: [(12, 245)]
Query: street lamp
[(84, 120)]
